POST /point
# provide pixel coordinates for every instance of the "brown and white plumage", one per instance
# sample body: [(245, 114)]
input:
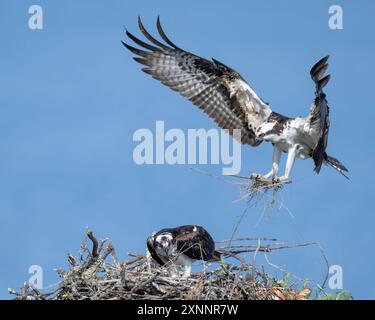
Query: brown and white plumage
[(201, 81), (181, 246), (228, 99)]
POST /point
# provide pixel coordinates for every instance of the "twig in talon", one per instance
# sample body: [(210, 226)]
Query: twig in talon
[(277, 181)]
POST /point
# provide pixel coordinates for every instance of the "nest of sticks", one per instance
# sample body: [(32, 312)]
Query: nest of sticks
[(98, 275)]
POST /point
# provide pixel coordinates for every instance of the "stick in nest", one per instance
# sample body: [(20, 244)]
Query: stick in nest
[(96, 278)]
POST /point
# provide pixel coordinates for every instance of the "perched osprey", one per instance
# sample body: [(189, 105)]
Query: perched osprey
[(179, 247), (228, 99)]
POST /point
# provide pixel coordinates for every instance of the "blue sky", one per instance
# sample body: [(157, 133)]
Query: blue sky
[(71, 98)]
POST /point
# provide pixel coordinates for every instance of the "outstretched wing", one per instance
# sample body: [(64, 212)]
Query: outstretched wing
[(320, 112), (195, 242), (203, 82)]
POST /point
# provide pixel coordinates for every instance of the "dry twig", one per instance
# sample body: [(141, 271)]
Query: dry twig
[(93, 277)]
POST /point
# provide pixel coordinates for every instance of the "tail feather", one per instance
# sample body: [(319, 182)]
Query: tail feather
[(337, 165)]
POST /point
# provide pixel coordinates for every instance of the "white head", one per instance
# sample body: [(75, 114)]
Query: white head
[(164, 243)]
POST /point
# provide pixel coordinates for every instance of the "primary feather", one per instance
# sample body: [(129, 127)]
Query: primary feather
[(223, 94)]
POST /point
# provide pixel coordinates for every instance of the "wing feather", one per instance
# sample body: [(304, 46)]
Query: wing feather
[(199, 80), (164, 36), (195, 242), (149, 36)]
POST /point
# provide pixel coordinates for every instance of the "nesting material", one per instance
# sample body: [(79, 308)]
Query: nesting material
[(97, 274)]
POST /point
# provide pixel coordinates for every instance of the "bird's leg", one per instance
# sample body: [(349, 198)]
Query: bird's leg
[(187, 270), (275, 163), (173, 271), (275, 166), (289, 165), (173, 268)]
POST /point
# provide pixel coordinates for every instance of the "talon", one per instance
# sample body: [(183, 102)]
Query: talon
[(257, 176), (281, 180)]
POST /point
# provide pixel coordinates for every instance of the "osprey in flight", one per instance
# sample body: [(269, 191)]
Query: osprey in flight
[(229, 100), (179, 247)]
